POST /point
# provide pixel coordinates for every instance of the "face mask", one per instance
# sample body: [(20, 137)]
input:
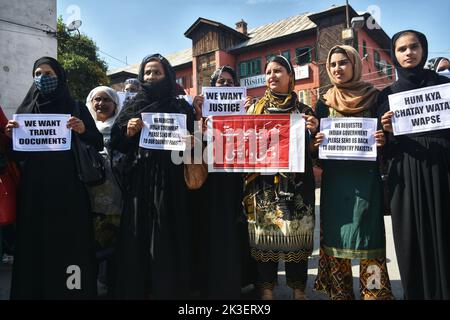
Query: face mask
[(46, 84), (445, 73)]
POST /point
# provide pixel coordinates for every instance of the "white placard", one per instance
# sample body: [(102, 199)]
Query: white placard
[(163, 131), (421, 110), (42, 132), (348, 139), (224, 101)]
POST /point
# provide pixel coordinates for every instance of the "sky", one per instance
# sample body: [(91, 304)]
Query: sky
[(127, 31)]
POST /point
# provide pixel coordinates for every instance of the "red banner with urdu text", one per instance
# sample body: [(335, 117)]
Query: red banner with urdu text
[(256, 143)]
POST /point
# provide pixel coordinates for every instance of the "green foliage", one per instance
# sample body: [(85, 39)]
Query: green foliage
[(78, 56)]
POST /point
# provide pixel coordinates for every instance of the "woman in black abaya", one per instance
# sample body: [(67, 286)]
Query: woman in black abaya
[(154, 247), (55, 245), (225, 265), (419, 180)]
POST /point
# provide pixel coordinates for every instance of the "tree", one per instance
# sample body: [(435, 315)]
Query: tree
[(78, 56)]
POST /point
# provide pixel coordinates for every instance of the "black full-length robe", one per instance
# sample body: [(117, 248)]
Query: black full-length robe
[(154, 251), (419, 186), (54, 226)]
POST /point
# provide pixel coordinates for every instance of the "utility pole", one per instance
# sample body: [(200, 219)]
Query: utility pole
[(346, 14)]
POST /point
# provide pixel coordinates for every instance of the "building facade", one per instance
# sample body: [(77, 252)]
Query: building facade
[(304, 39), (27, 33)]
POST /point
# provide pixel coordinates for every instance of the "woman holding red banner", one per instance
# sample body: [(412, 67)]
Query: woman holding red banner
[(280, 207), (351, 203), (223, 264), (419, 181)]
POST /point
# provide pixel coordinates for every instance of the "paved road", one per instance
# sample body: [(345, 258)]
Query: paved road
[(282, 292)]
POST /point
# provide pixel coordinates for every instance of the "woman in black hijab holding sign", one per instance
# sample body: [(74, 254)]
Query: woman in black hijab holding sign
[(154, 248), (419, 181), (54, 256), (221, 242)]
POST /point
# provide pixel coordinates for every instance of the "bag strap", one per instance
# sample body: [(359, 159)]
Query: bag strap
[(76, 109)]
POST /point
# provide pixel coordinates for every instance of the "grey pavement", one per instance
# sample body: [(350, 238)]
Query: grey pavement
[(282, 292)]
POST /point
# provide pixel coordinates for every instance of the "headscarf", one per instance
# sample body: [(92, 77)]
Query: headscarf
[(434, 63), (276, 102), (58, 101), (352, 97), (154, 96), (103, 126), (417, 77), (216, 74), (133, 81)]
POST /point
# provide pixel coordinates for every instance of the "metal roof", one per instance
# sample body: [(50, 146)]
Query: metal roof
[(277, 29), (176, 59)]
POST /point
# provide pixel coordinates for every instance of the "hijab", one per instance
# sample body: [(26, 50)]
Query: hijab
[(273, 102), (103, 126), (352, 97), (219, 72), (59, 101), (417, 77), (153, 96)]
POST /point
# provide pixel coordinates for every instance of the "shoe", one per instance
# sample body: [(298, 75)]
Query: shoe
[(267, 294), (299, 295)]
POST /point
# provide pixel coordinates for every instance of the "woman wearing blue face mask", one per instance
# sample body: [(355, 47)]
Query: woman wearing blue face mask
[(54, 256)]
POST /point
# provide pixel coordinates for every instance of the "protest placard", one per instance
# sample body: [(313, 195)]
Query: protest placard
[(224, 101), (163, 131), (421, 110), (348, 139), (256, 143), (42, 132)]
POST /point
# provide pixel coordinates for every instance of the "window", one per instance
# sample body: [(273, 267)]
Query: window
[(364, 48), (250, 68), (303, 55), (285, 54), (389, 71), (304, 96), (376, 60)]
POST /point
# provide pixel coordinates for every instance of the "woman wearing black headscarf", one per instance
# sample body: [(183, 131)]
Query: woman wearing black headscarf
[(221, 241), (419, 181), (54, 256), (154, 248)]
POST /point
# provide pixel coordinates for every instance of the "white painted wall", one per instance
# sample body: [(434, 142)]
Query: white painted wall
[(20, 46)]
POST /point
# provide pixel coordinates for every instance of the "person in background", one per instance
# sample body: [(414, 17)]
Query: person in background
[(438, 64), (8, 196), (351, 202), (419, 180), (132, 85), (280, 207), (441, 65), (55, 256), (106, 199)]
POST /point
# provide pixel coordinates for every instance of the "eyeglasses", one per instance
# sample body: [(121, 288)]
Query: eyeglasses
[(225, 81), (105, 99)]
